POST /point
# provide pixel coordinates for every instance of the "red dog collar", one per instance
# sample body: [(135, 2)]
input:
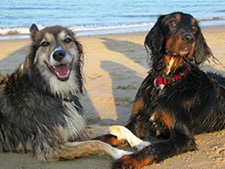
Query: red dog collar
[(165, 81), (68, 100)]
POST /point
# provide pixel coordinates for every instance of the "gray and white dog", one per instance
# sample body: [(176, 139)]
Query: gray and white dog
[(40, 109)]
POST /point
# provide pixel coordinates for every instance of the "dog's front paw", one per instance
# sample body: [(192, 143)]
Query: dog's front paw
[(126, 162), (142, 145), (137, 160)]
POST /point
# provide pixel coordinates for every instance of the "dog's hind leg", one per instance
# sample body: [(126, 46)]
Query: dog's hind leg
[(121, 133), (72, 150)]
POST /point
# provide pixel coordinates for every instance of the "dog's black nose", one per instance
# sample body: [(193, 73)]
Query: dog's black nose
[(59, 55), (188, 37)]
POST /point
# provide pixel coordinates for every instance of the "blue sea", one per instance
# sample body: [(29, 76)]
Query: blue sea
[(89, 17)]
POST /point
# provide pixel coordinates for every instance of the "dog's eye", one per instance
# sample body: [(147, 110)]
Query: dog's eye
[(68, 40), (45, 44), (173, 23), (194, 28)]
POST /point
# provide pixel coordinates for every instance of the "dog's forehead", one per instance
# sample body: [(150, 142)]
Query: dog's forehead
[(186, 19), (177, 16), (55, 32), (63, 34), (56, 29), (55, 37), (48, 36), (180, 17)]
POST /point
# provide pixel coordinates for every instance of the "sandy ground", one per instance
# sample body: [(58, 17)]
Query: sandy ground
[(115, 66)]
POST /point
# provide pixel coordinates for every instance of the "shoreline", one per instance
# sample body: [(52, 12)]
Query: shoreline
[(95, 33)]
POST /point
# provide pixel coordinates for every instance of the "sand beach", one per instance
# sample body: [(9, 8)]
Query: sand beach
[(114, 67)]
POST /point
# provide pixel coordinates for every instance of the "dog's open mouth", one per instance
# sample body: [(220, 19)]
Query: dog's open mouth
[(62, 71)]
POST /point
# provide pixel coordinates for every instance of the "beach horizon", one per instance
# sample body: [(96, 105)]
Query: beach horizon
[(14, 34)]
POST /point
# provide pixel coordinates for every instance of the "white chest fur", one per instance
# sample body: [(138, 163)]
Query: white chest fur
[(170, 65)]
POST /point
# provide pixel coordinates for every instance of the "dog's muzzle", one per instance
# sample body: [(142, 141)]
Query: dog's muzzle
[(188, 38), (61, 65)]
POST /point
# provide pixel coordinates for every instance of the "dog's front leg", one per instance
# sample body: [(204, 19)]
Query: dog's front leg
[(121, 132), (71, 150)]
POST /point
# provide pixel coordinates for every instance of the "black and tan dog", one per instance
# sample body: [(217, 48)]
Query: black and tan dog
[(40, 109), (176, 100)]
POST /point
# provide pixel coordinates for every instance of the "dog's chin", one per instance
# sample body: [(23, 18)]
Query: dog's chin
[(186, 51), (62, 71), (181, 53)]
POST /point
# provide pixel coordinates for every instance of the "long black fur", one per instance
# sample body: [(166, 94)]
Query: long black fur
[(192, 105)]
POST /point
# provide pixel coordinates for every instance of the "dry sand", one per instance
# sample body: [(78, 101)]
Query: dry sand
[(114, 67)]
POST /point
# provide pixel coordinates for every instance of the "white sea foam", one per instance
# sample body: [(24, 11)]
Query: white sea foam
[(100, 17), (23, 33)]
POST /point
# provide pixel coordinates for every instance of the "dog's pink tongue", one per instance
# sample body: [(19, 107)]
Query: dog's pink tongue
[(62, 71)]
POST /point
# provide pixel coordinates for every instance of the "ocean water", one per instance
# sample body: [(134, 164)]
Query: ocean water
[(88, 17)]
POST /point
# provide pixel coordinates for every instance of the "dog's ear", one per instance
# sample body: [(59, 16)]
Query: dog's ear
[(33, 30), (202, 51), (153, 41)]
